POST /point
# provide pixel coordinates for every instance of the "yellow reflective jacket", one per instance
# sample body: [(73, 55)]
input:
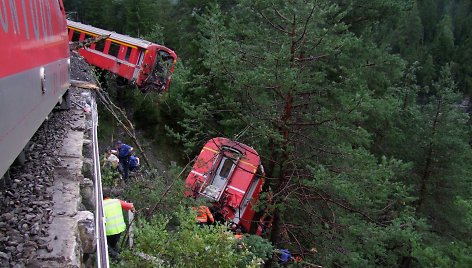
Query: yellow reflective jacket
[(115, 223)]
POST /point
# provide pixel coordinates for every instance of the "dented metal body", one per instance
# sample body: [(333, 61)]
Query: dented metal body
[(230, 175), (144, 63)]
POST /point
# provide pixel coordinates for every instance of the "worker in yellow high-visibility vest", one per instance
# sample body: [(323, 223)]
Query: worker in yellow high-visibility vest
[(115, 222)]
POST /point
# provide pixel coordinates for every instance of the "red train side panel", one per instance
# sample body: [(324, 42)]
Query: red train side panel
[(148, 65), (34, 70), (230, 174)]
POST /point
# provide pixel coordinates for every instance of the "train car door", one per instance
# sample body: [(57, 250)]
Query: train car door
[(221, 178)]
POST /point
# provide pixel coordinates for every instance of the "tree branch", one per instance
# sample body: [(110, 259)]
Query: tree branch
[(278, 28)]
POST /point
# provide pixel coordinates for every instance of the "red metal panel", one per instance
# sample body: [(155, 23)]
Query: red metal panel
[(133, 58), (34, 70), (243, 186), (122, 52), (108, 62), (107, 46), (70, 33), (31, 28)]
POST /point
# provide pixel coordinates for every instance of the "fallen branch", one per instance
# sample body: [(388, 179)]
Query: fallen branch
[(112, 108), (129, 128), (151, 211), (83, 84), (87, 42)]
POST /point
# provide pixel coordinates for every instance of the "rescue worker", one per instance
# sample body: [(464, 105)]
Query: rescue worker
[(284, 255), (111, 160), (133, 163), (124, 153), (233, 227), (238, 234), (204, 216), (115, 222)]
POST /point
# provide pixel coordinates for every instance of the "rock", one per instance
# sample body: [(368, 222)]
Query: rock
[(12, 243), (3, 255), (19, 248), (86, 225), (7, 216), (87, 168), (87, 193), (35, 229)]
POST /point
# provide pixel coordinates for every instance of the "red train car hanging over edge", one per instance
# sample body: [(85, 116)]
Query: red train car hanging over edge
[(148, 65), (230, 175)]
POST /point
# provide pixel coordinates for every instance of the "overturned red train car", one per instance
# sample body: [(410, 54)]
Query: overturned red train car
[(230, 175), (34, 70), (148, 65)]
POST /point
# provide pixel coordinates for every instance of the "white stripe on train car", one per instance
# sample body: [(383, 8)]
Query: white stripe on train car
[(197, 173), (236, 189)]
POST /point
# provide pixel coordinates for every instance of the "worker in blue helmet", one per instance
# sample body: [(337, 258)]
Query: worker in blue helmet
[(124, 153)]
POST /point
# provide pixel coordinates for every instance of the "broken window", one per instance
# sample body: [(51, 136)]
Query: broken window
[(100, 45), (114, 49), (226, 168)]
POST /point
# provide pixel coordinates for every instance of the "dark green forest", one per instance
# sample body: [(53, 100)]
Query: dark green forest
[(357, 107)]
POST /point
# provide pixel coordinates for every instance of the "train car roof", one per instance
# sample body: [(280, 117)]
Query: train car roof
[(116, 36), (249, 152)]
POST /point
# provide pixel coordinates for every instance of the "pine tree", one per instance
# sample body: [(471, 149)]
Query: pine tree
[(300, 84)]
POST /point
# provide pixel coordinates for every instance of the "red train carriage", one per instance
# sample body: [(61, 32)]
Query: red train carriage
[(230, 175), (148, 65), (34, 70)]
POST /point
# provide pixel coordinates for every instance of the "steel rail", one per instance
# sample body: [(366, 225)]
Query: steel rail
[(100, 235)]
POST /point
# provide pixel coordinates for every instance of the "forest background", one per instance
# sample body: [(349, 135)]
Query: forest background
[(358, 109)]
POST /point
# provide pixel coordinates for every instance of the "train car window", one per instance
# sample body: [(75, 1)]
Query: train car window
[(100, 45), (128, 53), (226, 168), (165, 61), (114, 49), (75, 36), (88, 37)]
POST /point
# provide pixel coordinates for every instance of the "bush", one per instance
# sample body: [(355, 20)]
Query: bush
[(186, 244)]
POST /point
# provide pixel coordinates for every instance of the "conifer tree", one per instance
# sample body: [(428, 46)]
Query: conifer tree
[(300, 84)]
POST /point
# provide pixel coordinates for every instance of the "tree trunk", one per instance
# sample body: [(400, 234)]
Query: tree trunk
[(425, 178)]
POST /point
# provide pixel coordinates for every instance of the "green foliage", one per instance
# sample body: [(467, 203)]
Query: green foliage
[(186, 244), (110, 177), (155, 193), (369, 161)]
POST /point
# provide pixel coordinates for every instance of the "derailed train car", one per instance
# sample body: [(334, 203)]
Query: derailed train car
[(148, 65), (34, 70), (230, 175)]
